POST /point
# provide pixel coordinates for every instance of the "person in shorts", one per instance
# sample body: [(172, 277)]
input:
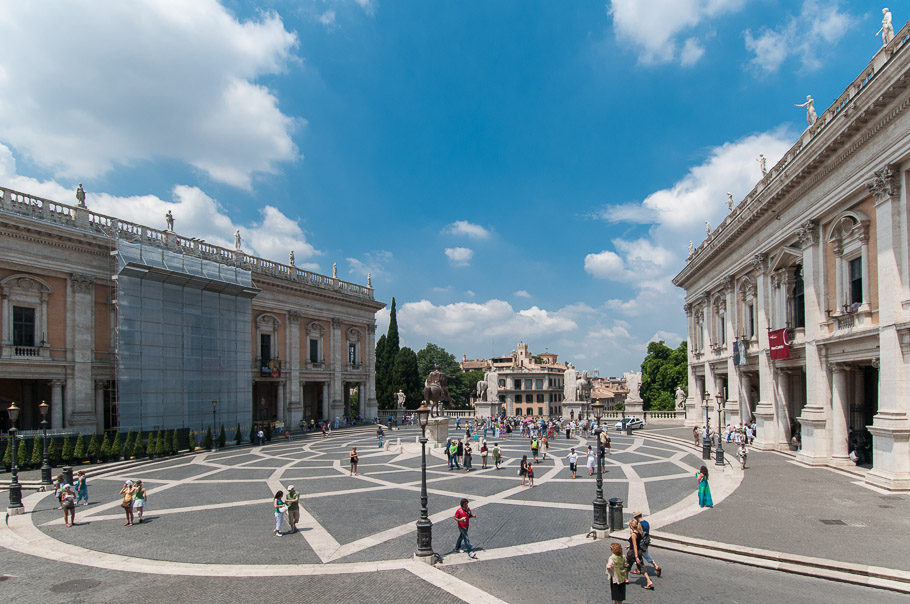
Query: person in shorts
[(139, 497), (573, 461), (293, 502)]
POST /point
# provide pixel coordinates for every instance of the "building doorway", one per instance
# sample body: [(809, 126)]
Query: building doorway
[(312, 401), (265, 401), (27, 394)]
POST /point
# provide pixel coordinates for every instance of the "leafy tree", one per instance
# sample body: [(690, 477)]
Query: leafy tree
[(238, 437), (128, 443), (53, 451), (405, 377), (22, 454), (207, 443), (37, 458), (432, 355), (466, 385), (355, 402), (94, 448), (192, 441), (79, 449), (222, 437), (662, 372), (66, 455)]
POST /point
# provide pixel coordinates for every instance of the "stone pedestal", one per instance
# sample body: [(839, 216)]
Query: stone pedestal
[(437, 431), (569, 406), (484, 409), (814, 451), (634, 408)]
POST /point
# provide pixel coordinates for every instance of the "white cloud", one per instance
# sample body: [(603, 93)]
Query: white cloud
[(467, 229), (115, 83), (812, 32), (470, 294), (495, 318), (327, 18), (373, 263), (195, 215), (521, 294), (368, 6), (668, 337), (652, 26), (459, 256)]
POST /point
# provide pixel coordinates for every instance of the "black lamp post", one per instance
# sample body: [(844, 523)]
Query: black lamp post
[(15, 489), (214, 434), (706, 441), (719, 451), (600, 504), (45, 466), (424, 525)]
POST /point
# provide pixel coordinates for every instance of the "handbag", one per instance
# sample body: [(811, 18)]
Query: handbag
[(282, 509)]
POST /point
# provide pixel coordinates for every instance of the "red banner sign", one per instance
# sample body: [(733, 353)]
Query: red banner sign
[(779, 344)]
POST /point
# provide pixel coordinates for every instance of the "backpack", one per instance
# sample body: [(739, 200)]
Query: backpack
[(644, 541)]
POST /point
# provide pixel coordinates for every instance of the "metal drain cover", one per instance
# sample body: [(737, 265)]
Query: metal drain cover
[(75, 585), (834, 522)]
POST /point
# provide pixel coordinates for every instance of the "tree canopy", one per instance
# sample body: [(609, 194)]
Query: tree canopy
[(662, 372)]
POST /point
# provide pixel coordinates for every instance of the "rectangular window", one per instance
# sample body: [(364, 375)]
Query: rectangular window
[(352, 354), (799, 299), (751, 319), (517, 398), (314, 351), (539, 398), (722, 325), (540, 411), (529, 384), (265, 347), (856, 281), (517, 384), (23, 326), (539, 384)]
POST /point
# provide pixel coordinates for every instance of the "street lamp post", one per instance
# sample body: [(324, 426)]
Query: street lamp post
[(424, 525), (45, 465), (600, 504), (214, 436), (15, 506), (706, 441), (719, 451)]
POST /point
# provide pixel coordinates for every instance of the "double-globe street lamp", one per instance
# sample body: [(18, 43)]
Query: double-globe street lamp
[(15, 506), (600, 504), (706, 436), (719, 451), (45, 465), (424, 525)]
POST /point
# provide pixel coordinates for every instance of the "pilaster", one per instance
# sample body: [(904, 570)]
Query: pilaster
[(80, 389), (294, 399), (336, 407)]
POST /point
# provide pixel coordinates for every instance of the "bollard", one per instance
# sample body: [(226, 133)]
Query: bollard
[(616, 522), (706, 449), (67, 475)]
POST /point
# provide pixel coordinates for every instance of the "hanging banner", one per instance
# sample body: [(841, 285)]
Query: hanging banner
[(779, 344), (739, 353)]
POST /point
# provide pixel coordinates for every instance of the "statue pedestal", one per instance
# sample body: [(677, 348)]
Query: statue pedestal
[(634, 407), (573, 410), (437, 431), (486, 409)]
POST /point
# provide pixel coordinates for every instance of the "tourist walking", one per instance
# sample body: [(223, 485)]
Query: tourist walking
[(573, 461), (742, 453), (645, 542), (483, 454), (591, 461), (633, 553), (324, 433), (497, 455), (139, 498), (468, 451), (379, 435), (545, 443), (535, 445), (81, 487), (619, 576), (58, 489), (695, 435), (68, 503), (607, 443), (463, 517), (704, 491), (280, 508), (354, 459), (523, 470), (293, 503), (459, 451), (127, 503), (453, 451)]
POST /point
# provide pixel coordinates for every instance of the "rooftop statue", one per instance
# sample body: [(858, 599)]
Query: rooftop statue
[(80, 196), (169, 218), (887, 30), (707, 228), (730, 202), (291, 258), (238, 240), (763, 162), (811, 116)]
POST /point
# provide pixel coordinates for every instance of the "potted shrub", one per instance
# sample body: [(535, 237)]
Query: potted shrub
[(116, 447), (175, 442), (37, 453), (192, 441), (66, 454), (93, 452), (207, 443), (79, 450), (252, 434), (128, 444), (161, 447), (222, 437), (22, 454), (238, 437), (138, 447), (53, 452), (106, 447)]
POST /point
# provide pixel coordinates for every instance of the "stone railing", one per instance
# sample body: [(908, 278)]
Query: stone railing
[(108, 226)]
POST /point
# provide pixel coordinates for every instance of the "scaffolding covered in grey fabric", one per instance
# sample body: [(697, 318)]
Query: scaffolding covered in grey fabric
[(183, 340)]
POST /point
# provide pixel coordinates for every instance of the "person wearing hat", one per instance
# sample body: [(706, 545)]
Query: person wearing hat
[(127, 503), (645, 542), (293, 503), (68, 503), (634, 552)]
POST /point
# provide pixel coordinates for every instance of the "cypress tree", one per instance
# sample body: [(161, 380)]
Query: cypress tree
[(53, 451), (207, 443), (138, 448), (160, 446), (116, 446), (192, 441), (37, 458), (94, 449), (22, 454), (222, 437), (79, 449), (129, 443), (175, 442), (237, 435), (106, 445), (66, 455)]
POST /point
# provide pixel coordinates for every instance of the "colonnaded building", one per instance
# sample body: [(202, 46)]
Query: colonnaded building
[(120, 325), (798, 304)]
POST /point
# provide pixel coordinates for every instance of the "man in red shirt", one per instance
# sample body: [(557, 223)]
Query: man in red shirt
[(463, 516)]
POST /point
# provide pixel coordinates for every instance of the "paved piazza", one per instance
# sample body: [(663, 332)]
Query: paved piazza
[(209, 519)]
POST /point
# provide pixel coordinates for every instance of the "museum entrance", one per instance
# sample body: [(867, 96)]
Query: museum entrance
[(265, 401), (312, 400)]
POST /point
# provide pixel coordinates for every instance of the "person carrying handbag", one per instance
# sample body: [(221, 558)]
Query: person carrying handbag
[(127, 503), (280, 508)]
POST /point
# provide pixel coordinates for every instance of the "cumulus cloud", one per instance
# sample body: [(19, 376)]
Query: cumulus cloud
[(521, 294), (814, 30), (674, 216), (494, 318), (459, 256), (114, 83), (327, 18), (196, 215), (652, 26), (466, 229)]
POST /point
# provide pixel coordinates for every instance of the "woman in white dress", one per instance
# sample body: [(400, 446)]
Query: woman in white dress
[(591, 461)]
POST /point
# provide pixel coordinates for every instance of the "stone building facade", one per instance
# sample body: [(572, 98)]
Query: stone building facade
[(120, 325), (798, 304)]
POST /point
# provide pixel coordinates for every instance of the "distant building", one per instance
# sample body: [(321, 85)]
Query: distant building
[(608, 391), (529, 384)]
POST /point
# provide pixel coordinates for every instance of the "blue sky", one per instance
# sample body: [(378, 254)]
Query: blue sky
[(507, 170)]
